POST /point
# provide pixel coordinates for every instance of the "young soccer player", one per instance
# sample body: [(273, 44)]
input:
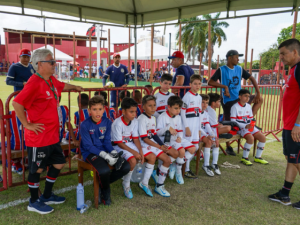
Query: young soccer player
[(138, 98), (163, 95), (190, 114), (170, 122), (207, 136), (96, 149), (106, 113), (150, 140), (150, 88), (125, 136), (241, 113), (84, 114), (122, 95)]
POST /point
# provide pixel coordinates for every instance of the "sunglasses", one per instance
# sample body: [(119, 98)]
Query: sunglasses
[(52, 62)]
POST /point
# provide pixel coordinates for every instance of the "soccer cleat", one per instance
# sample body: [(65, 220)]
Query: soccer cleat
[(216, 169), (229, 151), (19, 171), (54, 199), (127, 192), (278, 197), (208, 170), (261, 161), (39, 207), (296, 205), (172, 171), (190, 174), (106, 200), (246, 161), (146, 189), (92, 173), (179, 178), (162, 191), (154, 176)]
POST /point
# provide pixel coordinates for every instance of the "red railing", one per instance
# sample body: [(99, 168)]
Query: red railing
[(5, 136)]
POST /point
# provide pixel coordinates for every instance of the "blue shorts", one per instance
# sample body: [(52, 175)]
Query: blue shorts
[(113, 98)]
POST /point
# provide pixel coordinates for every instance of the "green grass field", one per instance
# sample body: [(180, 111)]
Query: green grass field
[(238, 196)]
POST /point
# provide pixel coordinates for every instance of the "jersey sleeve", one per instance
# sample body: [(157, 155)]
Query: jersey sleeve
[(213, 119), (183, 110), (107, 139), (180, 72), (142, 127), (161, 127), (246, 75), (116, 133), (27, 96), (233, 117), (108, 71), (180, 128), (217, 75), (86, 143), (10, 78), (135, 132)]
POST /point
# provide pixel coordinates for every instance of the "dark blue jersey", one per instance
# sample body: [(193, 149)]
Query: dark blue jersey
[(95, 137), (187, 72), (17, 74), (118, 75)]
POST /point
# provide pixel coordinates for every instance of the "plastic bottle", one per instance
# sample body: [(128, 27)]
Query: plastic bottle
[(252, 125), (80, 196), (86, 206), (213, 142), (167, 139), (137, 173)]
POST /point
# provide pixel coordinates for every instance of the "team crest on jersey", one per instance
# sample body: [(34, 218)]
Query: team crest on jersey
[(48, 93), (247, 111), (38, 163), (239, 112), (149, 147), (102, 129), (92, 131), (161, 101), (122, 70), (32, 71), (192, 103), (41, 155)]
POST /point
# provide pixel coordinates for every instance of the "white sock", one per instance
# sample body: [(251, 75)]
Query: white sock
[(172, 159), (179, 163), (187, 164), (206, 156), (188, 155), (148, 171), (259, 150), (215, 153), (126, 179), (160, 162), (162, 174), (246, 151)]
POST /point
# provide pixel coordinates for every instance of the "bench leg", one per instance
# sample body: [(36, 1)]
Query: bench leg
[(222, 149), (183, 169), (198, 158), (80, 175), (96, 188), (254, 147), (239, 145)]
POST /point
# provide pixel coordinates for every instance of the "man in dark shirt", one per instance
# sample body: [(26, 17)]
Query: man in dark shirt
[(19, 73)]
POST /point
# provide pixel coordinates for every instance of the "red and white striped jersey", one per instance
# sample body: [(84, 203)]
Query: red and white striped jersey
[(147, 127), (205, 125), (241, 114), (165, 121), (124, 132), (162, 102), (212, 117)]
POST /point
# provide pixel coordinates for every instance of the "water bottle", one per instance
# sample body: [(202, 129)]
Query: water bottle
[(213, 142), (137, 173), (80, 196), (167, 139), (86, 206), (252, 125)]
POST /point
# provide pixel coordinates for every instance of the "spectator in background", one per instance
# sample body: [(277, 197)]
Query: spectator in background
[(19, 73), (100, 70), (1, 66), (138, 68), (94, 70)]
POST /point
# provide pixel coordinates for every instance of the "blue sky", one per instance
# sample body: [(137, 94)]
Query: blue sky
[(264, 30)]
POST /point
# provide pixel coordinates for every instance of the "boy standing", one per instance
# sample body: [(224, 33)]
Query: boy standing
[(97, 150), (190, 114), (209, 138), (163, 95), (241, 113), (168, 123), (125, 137), (150, 140)]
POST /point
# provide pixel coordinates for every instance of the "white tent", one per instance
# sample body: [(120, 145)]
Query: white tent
[(197, 63), (144, 51), (59, 55)]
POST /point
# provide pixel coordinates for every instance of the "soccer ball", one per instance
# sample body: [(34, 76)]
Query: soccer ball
[(110, 84)]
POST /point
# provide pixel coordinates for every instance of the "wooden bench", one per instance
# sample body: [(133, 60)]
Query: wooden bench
[(18, 153), (222, 140), (82, 165)]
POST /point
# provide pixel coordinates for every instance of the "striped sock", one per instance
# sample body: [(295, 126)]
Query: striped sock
[(50, 180)]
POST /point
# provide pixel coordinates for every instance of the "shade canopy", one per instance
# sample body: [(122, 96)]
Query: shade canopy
[(144, 51), (59, 55), (126, 12)]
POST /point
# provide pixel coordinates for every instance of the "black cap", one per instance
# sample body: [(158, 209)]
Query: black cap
[(233, 52)]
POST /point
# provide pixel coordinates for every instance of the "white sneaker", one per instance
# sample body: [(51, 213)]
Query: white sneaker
[(162, 191), (208, 170), (179, 178), (172, 171), (216, 169)]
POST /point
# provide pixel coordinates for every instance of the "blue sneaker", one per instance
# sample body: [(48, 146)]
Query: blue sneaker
[(127, 192), (162, 191), (154, 176), (146, 189), (39, 207), (172, 170), (54, 199), (179, 178)]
